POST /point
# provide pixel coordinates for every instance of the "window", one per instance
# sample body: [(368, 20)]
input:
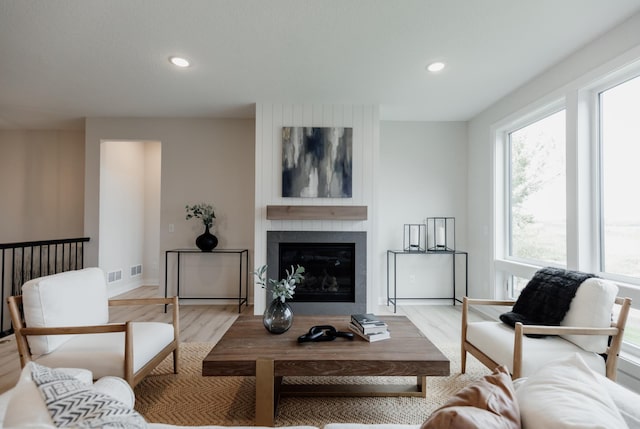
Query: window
[(537, 191), (588, 220), (619, 107), (516, 284)]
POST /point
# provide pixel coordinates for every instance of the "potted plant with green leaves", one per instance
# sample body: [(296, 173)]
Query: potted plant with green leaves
[(206, 241), (278, 316)]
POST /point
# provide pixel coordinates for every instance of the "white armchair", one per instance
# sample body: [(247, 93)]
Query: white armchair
[(61, 320), (588, 329)]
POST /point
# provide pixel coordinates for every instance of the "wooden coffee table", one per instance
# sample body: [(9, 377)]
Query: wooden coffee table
[(247, 349)]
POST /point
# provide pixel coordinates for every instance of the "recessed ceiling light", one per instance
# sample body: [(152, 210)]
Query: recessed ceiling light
[(435, 67), (179, 61)]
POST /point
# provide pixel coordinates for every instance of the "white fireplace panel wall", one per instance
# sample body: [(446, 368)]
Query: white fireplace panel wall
[(270, 118)]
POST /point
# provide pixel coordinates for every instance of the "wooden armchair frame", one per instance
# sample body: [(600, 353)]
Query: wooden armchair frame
[(616, 332), (133, 378)]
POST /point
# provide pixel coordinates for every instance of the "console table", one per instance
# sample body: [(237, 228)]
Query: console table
[(243, 262), (392, 256)]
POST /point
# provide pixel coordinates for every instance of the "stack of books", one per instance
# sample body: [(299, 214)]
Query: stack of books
[(369, 327)]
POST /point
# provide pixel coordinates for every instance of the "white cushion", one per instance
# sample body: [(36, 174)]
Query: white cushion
[(117, 388), (72, 298), (103, 354), (495, 339), (71, 403), (26, 407), (566, 394), (168, 426), (369, 426), (591, 308), (625, 399)]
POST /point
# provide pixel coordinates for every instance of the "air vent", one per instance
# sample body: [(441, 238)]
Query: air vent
[(136, 270), (114, 276)]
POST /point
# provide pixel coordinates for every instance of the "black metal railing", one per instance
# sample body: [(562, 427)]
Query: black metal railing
[(22, 262)]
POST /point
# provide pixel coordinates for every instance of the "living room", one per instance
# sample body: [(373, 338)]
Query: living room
[(405, 168)]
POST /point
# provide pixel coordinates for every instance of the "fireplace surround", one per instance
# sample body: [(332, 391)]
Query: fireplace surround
[(336, 264)]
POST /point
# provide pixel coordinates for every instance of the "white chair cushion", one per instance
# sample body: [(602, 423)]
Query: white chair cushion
[(566, 394), (72, 298), (103, 354), (495, 339), (591, 308)]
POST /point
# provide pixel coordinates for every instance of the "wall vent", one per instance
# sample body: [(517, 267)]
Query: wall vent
[(136, 270), (114, 276)]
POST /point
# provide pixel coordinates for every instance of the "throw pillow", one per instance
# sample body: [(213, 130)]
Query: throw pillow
[(546, 298), (26, 408), (74, 404), (566, 394), (591, 308), (487, 403)]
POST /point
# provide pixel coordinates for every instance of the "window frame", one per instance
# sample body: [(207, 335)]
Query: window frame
[(596, 90), (584, 182), (503, 142)]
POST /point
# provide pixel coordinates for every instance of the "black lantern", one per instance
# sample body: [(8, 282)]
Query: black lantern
[(441, 234), (415, 237)]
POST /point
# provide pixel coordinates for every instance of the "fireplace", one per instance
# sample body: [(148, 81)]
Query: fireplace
[(335, 264)]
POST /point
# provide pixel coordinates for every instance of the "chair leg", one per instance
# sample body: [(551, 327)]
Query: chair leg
[(176, 355), (463, 360)]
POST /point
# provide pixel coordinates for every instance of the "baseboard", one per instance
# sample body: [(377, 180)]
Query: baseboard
[(119, 288)]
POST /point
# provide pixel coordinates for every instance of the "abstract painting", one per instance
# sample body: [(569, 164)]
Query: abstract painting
[(316, 162)]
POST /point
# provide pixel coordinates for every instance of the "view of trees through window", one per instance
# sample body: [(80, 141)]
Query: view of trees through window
[(620, 152), (537, 191)]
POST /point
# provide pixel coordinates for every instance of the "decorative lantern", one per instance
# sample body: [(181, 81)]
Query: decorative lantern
[(441, 234), (415, 237)]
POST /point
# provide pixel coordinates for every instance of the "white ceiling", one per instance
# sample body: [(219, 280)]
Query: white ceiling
[(64, 60)]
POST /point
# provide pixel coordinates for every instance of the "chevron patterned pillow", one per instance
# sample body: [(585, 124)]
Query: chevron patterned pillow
[(72, 403)]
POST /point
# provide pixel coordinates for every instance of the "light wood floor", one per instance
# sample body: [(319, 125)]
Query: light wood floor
[(207, 323)]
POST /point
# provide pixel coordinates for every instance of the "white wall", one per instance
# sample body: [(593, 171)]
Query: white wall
[(130, 211), (606, 54), (121, 208), (203, 160), (42, 185), (152, 187), (423, 173), (270, 118)]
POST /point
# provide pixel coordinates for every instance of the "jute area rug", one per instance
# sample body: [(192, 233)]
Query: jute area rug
[(190, 399)]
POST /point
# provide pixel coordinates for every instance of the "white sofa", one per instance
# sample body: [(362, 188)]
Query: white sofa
[(565, 394)]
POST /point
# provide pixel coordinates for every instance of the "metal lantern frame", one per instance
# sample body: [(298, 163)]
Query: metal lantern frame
[(415, 237), (441, 234)]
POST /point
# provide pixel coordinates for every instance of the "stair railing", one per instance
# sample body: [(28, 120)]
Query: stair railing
[(24, 261)]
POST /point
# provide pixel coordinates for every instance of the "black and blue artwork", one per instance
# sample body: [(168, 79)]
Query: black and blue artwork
[(316, 162)]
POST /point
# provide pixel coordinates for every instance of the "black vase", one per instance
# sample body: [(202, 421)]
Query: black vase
[(207, 241)]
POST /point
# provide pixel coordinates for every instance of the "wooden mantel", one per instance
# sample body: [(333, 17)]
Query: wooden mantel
[(317, 212)]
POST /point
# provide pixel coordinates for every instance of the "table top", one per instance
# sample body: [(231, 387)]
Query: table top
[(196, 250), (407, 352), (428, 251)]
